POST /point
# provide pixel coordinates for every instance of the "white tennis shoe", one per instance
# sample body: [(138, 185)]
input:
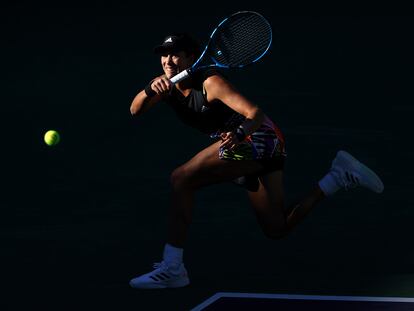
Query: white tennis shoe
[(350, 173), (162, 277)]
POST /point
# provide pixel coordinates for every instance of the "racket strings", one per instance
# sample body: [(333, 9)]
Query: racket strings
[(245, 51), (241, 40)]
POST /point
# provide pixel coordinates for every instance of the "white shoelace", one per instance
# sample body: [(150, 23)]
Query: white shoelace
[(161, 265)]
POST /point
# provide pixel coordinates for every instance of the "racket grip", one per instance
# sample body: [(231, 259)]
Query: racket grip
[(181, 76)]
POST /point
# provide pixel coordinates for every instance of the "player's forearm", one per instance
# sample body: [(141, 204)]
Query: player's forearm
[(140, 104), (253, 121)]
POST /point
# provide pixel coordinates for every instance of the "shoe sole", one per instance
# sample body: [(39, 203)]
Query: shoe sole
[(174, 284), (374, 183)]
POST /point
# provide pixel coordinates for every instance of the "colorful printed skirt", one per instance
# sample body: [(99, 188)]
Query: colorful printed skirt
[(266, 144)]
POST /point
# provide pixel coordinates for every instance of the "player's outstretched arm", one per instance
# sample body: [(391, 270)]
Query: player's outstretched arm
[(148, 97)]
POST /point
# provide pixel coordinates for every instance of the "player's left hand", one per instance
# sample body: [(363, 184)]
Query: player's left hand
[(229, 140)]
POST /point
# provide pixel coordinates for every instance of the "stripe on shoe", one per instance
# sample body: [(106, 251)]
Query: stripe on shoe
[(155, 278), (160, 277), (165, 275)]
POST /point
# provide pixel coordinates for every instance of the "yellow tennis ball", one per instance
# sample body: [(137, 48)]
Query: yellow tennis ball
[(51, 137)]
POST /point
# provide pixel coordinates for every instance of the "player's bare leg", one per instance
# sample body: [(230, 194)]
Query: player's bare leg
[(203, 169), (269, 206), (268, 202)]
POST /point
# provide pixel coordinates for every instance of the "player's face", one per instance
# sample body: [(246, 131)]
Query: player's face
[(175, 62)]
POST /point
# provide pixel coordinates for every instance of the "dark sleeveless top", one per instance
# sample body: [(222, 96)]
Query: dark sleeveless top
[(195, 111)]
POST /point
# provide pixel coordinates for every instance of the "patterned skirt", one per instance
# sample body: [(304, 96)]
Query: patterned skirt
[(266, 144)]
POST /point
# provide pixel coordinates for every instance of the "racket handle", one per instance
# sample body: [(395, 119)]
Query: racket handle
[(181, 76)]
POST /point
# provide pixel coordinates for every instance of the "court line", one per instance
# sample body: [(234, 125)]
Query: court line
[(298, 297)]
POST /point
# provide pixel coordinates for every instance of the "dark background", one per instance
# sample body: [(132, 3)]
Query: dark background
[(81, 219)]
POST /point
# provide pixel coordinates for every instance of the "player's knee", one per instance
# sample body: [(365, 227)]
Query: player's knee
[(180, 178)]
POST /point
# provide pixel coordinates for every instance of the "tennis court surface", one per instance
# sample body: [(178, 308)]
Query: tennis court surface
[(259, 302)]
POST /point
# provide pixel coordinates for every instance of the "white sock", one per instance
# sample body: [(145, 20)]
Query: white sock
[(173, 256), (328, 184)]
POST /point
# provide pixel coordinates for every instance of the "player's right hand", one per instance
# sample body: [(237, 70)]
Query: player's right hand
[(161, 85)]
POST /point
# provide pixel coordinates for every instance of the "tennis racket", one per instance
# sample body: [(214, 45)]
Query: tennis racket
[(239, 40)]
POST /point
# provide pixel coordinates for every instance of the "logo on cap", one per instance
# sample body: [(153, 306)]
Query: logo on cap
[(168, 40)]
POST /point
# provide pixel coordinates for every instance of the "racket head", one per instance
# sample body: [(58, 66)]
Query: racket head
[(239, 40)]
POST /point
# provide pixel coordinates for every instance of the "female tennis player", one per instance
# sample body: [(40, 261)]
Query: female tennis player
[(248, 149)]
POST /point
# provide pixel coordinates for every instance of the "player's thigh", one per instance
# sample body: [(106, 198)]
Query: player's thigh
[(268, 202), (206, 167)]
